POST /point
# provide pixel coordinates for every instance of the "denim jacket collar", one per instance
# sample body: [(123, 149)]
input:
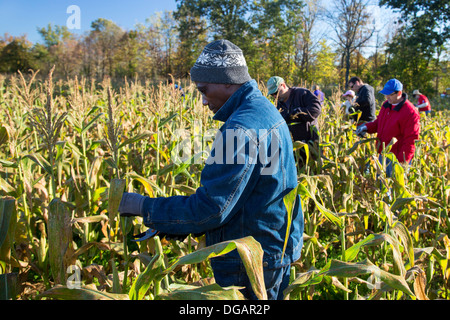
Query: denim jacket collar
[(235, 101)]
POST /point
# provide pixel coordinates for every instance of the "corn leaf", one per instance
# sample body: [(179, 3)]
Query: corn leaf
[(147, 183), (400, 230), (144, 280), (135, 138), (91, 123), (5, 186), (250, 252), (371, 240), (289, 202), (346, 269), (209, 292), (331, 216), (64, 293)]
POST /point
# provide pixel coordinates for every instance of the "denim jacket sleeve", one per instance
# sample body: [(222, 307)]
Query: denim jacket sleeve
[(226, 182)]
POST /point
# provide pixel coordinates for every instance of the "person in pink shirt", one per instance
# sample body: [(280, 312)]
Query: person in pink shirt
[(349, 97)]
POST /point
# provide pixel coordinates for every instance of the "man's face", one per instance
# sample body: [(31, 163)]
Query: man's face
[(282, 92), (394, 98), (354, 86), (214, 95)]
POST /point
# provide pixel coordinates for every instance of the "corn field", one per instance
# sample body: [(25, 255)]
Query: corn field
[(69, 149)]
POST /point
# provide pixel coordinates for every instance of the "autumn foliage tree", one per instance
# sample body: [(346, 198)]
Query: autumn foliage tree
[(304, 41)]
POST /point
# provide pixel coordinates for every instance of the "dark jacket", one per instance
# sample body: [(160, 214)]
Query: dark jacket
[(365, 102), (301, 111)]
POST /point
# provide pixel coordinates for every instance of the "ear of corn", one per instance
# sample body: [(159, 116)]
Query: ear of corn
[(60, 246), (8, 220), (116, 189)]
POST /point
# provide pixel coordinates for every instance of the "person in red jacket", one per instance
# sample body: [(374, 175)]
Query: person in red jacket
[(398, 118), (422, 102)]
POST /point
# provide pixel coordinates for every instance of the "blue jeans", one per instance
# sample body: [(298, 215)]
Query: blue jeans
[(389, 166), (276, 281)]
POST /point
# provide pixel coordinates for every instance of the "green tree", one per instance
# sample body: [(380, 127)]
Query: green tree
[(126, 58), (227, 19), (16, 56), (60, 49), (54, 35), (192, 35), (224, 19), (265, 30), (104, 42), (276, 25), (425, 28), (323, 67), (408, 62), (430, 19), (202, 20), (164, 29)]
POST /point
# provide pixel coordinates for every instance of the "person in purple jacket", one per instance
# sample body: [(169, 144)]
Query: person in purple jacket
[(319, 94)]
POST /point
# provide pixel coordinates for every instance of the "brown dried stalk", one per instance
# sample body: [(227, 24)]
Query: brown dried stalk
[(25, 92)]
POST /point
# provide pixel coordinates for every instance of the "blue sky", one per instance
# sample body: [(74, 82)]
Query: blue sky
[(19, 17)]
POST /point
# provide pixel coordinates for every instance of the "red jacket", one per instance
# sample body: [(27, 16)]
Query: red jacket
[(421, 100), (402, 122)]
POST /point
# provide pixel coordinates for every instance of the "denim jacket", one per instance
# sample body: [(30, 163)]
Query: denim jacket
[(250, 169)]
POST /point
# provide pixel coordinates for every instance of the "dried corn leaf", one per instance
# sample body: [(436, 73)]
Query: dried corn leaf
[(420, 282), (63, 293), (250, 252), (346, 269), (209, 292)]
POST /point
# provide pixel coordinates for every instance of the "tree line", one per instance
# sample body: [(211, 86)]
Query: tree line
[(303, 41)]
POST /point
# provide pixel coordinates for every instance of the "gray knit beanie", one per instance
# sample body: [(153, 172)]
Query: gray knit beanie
[(220, 62)]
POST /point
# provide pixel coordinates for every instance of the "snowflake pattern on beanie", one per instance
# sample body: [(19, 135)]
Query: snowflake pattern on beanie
[(221, 60)]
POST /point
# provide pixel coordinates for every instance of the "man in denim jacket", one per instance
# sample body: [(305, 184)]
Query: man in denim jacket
[(250, 169)]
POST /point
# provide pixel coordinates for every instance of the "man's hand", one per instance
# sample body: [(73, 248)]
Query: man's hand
[(131, 204), (361, 131)]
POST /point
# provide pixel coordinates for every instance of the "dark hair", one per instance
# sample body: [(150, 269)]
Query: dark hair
[(354, 79)]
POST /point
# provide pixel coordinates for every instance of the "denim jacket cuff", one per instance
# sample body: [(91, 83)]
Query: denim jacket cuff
[(147, 211)]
